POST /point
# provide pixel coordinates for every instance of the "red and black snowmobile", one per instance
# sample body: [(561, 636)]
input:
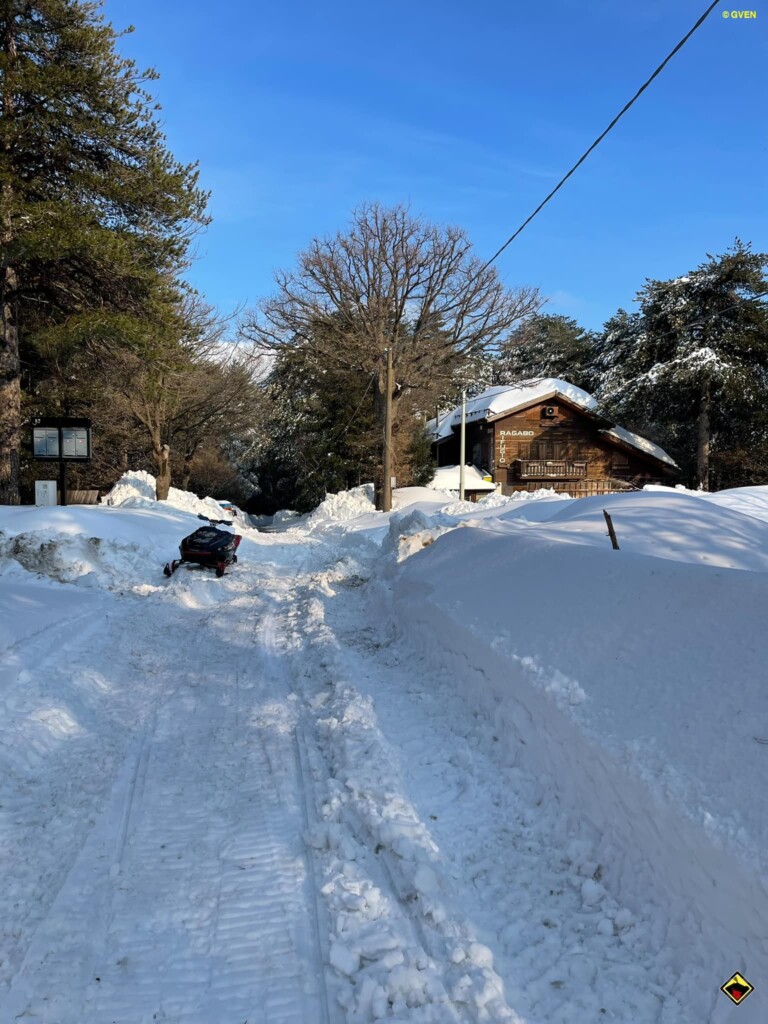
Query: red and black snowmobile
[(208, 547)]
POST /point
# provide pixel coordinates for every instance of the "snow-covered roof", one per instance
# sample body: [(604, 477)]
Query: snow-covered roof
[(641, 443), (447, 479), (508, 398)]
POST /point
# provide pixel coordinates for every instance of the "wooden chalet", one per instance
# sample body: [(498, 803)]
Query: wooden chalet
[(548, 433)]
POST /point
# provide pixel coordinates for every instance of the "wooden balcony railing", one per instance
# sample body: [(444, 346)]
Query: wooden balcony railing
[(544, 469)]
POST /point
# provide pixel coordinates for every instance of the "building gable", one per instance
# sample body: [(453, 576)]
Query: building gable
[(549, 434)]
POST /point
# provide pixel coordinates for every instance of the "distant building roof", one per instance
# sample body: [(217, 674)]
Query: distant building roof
[(641, 443), (499, 401), (507, 398)]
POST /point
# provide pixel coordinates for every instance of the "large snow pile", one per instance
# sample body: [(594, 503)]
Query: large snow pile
[(751, 501), (136, 489), (402, 497), (540, 494), (343, 506), (634, 683), (122, 545), (497, 500), (448, 478)]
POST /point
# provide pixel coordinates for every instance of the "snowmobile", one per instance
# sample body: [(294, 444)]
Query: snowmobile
[(208, 547)]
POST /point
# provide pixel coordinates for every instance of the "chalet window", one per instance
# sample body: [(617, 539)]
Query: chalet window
[(620, 460), (548, 450)]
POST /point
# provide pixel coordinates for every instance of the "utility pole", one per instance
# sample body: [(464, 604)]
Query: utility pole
[(388, 438), (463, 443)]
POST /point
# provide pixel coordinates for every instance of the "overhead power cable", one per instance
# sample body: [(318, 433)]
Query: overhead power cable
[(600, 138)]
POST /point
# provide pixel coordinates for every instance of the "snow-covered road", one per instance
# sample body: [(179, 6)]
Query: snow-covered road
[(277, 798), (171, 880)]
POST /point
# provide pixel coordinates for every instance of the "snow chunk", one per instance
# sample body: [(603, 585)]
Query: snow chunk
[(343, 959), (591, 892)]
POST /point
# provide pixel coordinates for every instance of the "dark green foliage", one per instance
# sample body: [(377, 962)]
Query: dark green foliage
[(423, 463), (95, 214), (548, 345), (690, 368), (311, 443)]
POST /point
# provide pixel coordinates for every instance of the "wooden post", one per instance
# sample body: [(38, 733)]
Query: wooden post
[(462, 444), (62, 474), (387, 502), (611, 531)]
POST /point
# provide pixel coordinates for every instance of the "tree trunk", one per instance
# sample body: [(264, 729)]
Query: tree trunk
[(703, 439), (186, 474), (10, 368), (10, 397), (163, 482), (380, 419)]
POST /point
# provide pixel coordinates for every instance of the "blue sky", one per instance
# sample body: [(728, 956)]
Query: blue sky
[(299, 111)]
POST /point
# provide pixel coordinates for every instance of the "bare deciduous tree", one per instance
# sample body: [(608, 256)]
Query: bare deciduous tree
[(188, 394), (394, 282)]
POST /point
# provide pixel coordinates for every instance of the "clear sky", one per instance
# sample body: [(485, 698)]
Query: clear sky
[(298, 111)]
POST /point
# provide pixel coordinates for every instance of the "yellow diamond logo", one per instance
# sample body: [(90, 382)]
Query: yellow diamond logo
[(737, 988)]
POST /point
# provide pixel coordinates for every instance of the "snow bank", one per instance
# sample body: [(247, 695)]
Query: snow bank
[(404, 496), (137, 490), (448, 478), (114, 547), (633, 680), (399, 940), (341, 507), (541, 494)]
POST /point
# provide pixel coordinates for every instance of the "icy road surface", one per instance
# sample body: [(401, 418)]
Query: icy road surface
[(249, 801)]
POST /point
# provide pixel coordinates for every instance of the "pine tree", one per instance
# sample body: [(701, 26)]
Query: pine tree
[(548, 345), (694, 359), (95, 214)]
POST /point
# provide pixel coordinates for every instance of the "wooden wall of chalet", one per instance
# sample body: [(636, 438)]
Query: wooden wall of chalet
[(525, 438)]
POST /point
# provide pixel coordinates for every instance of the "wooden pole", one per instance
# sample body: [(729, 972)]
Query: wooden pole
[(462, 444), (611, 531), (388, 438)]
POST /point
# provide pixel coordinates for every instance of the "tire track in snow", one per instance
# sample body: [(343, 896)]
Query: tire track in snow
[(226, 918), (390, 961), (186, 901), (269, 635), (43, 782)]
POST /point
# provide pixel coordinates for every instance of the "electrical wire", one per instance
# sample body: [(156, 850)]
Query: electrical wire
[(600, 138)]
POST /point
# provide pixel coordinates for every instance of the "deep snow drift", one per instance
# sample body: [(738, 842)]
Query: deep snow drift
[(462, 762)]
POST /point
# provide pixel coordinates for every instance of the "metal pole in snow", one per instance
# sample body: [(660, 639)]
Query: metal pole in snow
[(463, 444)]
